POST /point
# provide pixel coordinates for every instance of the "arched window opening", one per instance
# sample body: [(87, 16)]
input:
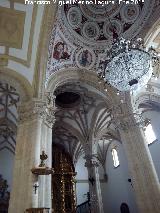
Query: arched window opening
[(149, 134), (124, 208), (115, 158)]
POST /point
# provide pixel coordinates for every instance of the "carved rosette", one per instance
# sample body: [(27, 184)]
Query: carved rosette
[(43, 109)]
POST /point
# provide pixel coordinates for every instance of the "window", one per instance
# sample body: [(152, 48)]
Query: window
[(124, 208), (115, 158), (149, 134)]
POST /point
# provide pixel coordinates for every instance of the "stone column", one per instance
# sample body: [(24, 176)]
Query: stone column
[(143, 175), (35, 118), (94, 184), (45, 181)]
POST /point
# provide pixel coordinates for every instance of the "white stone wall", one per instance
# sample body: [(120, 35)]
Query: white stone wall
[(117, 190), (155, 147), (82, 186)]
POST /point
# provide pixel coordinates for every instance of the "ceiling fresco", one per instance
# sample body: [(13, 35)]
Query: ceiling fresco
[(83, 32)]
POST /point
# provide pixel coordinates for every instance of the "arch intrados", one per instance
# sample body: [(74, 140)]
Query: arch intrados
[(84, 77), (146, 97), (14, 79)]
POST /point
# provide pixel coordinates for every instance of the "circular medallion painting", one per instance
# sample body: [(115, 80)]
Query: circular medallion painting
[(74, 17), (85, 58), (100, 12), (91, 30), (130, 13), (108, 28)]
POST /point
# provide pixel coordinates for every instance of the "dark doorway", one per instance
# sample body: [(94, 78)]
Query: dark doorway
[(124, 208)]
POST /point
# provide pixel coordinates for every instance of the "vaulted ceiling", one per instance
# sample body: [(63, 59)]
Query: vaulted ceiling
[(79, 31), (20, 27), (80, 34), (83, 32)]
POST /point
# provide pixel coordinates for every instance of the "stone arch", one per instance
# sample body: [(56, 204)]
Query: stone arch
[(49, 19), (147, 98), (155, 29), (83, 76), (20, 83)]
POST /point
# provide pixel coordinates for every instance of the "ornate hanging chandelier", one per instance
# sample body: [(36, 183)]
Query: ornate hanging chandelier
[(127, 65)]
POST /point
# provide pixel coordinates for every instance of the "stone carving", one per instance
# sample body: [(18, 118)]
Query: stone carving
[(149, 88), (11, 24), (44, 109), (123, 117), (91, 161)]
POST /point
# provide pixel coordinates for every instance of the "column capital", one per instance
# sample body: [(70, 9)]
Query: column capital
[(44, 109), (125, 118), (91, 161)]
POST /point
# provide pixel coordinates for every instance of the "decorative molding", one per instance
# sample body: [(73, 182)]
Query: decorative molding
[(17, 81), (65, 76), (43, 109), (26, 62), (12, 27), (91, 161), (49, 19)]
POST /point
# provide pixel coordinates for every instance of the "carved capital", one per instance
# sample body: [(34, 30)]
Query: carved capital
[(124, 118), (91, 161), (42, 109)]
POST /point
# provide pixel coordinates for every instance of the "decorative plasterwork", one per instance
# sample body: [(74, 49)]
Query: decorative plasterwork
[(82, 76), (11, 27), (80, 38), (128, 20), (38, 109), (21, 17), (25, 61)]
